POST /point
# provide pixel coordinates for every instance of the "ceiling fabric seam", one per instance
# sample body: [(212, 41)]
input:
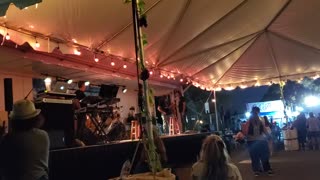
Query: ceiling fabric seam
[(278, 14), (107, 40), (256, 37), (222, 58), (173, 28), (212, 48), (274, 59), (293, 40), (208, 28)]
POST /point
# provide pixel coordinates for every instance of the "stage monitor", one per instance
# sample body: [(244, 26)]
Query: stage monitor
[(108, 91)]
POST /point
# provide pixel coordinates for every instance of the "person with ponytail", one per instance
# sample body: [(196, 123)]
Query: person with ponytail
[(214, 162), (257, 136)]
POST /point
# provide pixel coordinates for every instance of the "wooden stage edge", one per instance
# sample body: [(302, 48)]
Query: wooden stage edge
[(105, 161)]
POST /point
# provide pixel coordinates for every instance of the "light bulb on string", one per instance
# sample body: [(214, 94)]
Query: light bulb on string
[(96, 59), (69, 81), (76, 52), (181, 80), (112, 64), (37, 44), (124, 66), (161, 76), (151, 72), (7, 36)]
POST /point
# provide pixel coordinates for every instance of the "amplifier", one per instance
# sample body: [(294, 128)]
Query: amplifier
[(59, 119)]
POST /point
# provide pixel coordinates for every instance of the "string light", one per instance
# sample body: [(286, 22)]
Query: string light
[(7, 36), (181, 80), (37, 6), (76, 52), (151, 72), (37, 44), (243, 86), (70, 81), (218, 89), (74, 40), (161, 76), (112, 64), (96, 59), (124, 66), (87, 83)]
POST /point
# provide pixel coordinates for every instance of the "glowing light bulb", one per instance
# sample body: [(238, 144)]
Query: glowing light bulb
[(96, 59), (181, 80), (124, 66), (161, 76), (70, 81), (37, 6), (76, 52), (37, 44), (74, 40), (47, 80), (7, 36), (112, 64), (150, 72), (87, 83)]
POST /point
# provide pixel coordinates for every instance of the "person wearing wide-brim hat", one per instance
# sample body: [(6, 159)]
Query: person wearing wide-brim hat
[(25, 150)]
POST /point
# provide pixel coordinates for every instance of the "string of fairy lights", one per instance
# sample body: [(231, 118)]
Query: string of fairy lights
[(154, 71)]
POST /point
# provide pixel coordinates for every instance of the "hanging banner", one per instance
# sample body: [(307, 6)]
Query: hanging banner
[(268, 106)]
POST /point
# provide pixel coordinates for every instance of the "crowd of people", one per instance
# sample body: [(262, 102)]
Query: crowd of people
[(307, 129), (28, 144)]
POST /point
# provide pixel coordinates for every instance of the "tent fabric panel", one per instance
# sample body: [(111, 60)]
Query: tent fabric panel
[(299, 22), (294, 58), (255, 64), (159, 24), (194, 64), (197, 18), (252, 16), (212, 74), (87, 22)]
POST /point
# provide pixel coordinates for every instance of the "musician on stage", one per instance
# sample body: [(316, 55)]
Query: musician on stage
[(164, 108), (180, 109), (81, 123), (80, 92)]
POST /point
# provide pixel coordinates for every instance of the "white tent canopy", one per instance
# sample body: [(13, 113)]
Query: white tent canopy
[(213, 43)]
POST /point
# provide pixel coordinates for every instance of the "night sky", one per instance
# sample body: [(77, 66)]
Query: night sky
[(236, 100)]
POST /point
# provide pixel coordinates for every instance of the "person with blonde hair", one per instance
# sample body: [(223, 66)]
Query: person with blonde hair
[(214, 162)]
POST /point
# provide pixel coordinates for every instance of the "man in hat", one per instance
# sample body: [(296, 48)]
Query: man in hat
[(25, 150)]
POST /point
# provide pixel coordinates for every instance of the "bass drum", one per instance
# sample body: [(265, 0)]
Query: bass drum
[(116, 131)]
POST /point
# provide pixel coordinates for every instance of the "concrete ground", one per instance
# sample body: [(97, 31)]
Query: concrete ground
[(295, 165)]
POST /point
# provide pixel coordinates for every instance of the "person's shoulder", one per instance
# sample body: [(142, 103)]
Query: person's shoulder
[(198, 169), (40, 132), (233, 172)]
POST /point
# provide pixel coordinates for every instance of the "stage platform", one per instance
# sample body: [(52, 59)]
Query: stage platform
[(101, 162)]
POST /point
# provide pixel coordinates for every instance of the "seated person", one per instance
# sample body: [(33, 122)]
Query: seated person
[(25, 150), (214, 162)]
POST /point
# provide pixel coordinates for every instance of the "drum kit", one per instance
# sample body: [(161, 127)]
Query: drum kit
[(103, 118)]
